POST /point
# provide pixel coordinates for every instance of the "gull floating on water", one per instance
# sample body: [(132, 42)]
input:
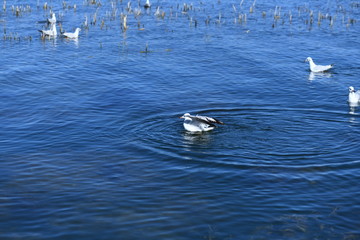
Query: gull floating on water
[(147, 4), (49, 33), (157, 12), (354, 96), (52, 20), (317, 68), (73, 35), (199, 123)]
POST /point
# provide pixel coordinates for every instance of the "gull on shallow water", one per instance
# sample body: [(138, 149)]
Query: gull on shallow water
[(199, 123), (354, 96), (52, 20), (318, 68), (147, 4), (72, 35), (49, 33)]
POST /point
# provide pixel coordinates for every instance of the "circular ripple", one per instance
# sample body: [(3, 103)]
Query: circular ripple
[(267, 137)]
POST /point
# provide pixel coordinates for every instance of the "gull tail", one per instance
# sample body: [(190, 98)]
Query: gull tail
[(218, 121), (214, 120), (209, 120)]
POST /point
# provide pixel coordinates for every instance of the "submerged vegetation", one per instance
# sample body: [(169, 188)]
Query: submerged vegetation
[(133, 15)]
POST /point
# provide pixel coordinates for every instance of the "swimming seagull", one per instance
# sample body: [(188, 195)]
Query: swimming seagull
[(147, 4), (73, 35), (354, 96), (49, 33), (157, 12), (52, 20), (317, 68), (199, 123)]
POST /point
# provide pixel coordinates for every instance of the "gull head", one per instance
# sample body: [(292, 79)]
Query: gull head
[(351, 89), (77, 29), (308, 59), (186, 116), (53, 18)]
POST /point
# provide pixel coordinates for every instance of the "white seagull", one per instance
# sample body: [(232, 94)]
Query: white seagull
[(73, 35), (199, 123), (317, 68), (52, 20), (49, 33), (147, 4), (354, 96)]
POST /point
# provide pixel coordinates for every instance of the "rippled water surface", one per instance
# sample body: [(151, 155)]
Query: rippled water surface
[(91, 146)]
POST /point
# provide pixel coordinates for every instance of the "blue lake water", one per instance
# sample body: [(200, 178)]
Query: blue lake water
[(91, 146)]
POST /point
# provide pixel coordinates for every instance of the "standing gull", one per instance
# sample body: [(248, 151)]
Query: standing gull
[(73, 35), (199, 123), (354, 96), (317, 68)]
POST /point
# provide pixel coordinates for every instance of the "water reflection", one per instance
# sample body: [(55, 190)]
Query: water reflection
[(76, 42), (320, 75), (73, 40), (51, 41), (353, 107), (191, 139)]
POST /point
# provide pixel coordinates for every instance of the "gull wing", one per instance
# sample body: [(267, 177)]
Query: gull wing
[(68, 35), (46, 32), (321, 68), (208, 120)]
